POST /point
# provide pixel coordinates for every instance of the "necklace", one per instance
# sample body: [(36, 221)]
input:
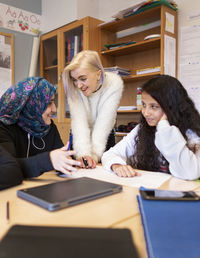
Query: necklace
[(97, 88), (38, 148)]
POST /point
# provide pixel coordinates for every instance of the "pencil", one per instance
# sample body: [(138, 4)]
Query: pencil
[(8, 211), (70, 142)]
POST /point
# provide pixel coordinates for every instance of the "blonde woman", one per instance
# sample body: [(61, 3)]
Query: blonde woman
[(93, 97)]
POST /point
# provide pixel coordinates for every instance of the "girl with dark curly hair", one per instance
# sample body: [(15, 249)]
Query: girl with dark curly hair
[(167, 139)]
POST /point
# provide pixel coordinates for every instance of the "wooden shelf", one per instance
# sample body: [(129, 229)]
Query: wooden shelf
[(141, 55), (129, 111), (120, 134), (148, 16), (137, 47), (52, 67), (140, 77)]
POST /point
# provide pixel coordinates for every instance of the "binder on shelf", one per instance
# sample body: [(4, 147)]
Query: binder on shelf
[(72, 38), (171, 228), (118, 45), (148, 70), (68, 49), (76, 44)]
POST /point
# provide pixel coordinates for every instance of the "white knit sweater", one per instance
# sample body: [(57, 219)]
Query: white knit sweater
[(92, 118)]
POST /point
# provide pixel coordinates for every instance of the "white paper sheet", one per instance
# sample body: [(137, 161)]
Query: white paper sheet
[(170, 55), (169, 23), (147, 179), (190, 62)]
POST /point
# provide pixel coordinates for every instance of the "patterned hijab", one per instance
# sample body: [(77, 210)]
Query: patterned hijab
[(25, 102)]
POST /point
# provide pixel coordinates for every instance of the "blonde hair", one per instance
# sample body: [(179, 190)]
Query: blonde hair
[(87, 59)]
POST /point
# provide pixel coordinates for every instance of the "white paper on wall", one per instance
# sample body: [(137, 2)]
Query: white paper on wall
[(169, 55), (189, 68)]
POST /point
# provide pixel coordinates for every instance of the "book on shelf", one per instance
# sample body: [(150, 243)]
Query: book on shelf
[(148, 70), (74, 45), (118, 45)]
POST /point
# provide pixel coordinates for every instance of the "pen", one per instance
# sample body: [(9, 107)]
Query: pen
[(85, 162), (70, 142), (8, 211)]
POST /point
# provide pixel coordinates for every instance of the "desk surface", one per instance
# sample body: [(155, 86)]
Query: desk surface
[(117, 211)]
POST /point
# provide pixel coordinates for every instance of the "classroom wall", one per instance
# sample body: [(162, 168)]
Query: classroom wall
[(67, 11), (54, 17), (22, 41)]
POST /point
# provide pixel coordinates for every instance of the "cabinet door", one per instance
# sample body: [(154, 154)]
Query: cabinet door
[(49, 60)]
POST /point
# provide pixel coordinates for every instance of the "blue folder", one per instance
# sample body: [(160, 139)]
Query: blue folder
[(172, 228)]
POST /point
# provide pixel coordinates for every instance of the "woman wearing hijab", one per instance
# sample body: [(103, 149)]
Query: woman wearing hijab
[(27, 131)]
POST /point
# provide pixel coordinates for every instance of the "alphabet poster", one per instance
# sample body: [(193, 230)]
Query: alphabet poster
[(13, 18)]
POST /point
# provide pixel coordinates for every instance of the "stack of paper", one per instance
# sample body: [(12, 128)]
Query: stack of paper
[(119, 70)]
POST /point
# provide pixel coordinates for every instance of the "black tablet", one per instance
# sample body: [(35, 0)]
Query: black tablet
[(22, 241), (67, 193)]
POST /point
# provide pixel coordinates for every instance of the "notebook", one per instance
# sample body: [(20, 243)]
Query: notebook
[(67, 193), (172, 228), (67, 242)]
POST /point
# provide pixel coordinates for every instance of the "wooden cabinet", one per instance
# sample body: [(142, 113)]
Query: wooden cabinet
[(56, 50), (144, 53)]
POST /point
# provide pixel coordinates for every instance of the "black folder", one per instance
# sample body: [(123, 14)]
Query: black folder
[(67, 242), (67, 193)]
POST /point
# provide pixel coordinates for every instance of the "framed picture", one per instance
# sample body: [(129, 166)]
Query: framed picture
[(6, 61)]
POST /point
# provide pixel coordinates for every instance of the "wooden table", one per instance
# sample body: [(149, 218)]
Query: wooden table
[(116, 211)]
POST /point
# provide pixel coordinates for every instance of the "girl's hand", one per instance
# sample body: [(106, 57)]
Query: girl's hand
[(87, 162), (62, 161), (124, 170), (164, 117)]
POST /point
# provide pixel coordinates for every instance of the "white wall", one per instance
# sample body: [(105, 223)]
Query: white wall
[(187, 7), (87, 8), (58, 13)]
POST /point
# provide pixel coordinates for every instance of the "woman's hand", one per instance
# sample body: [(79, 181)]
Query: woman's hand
[(87, 162), (124, 170), (62, 161)]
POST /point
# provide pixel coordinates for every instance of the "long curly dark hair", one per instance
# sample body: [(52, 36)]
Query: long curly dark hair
[(180, 111)]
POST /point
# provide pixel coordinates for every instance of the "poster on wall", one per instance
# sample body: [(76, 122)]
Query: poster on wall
[(189, 63), (6, 61), (13, 18), (169, 55)]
